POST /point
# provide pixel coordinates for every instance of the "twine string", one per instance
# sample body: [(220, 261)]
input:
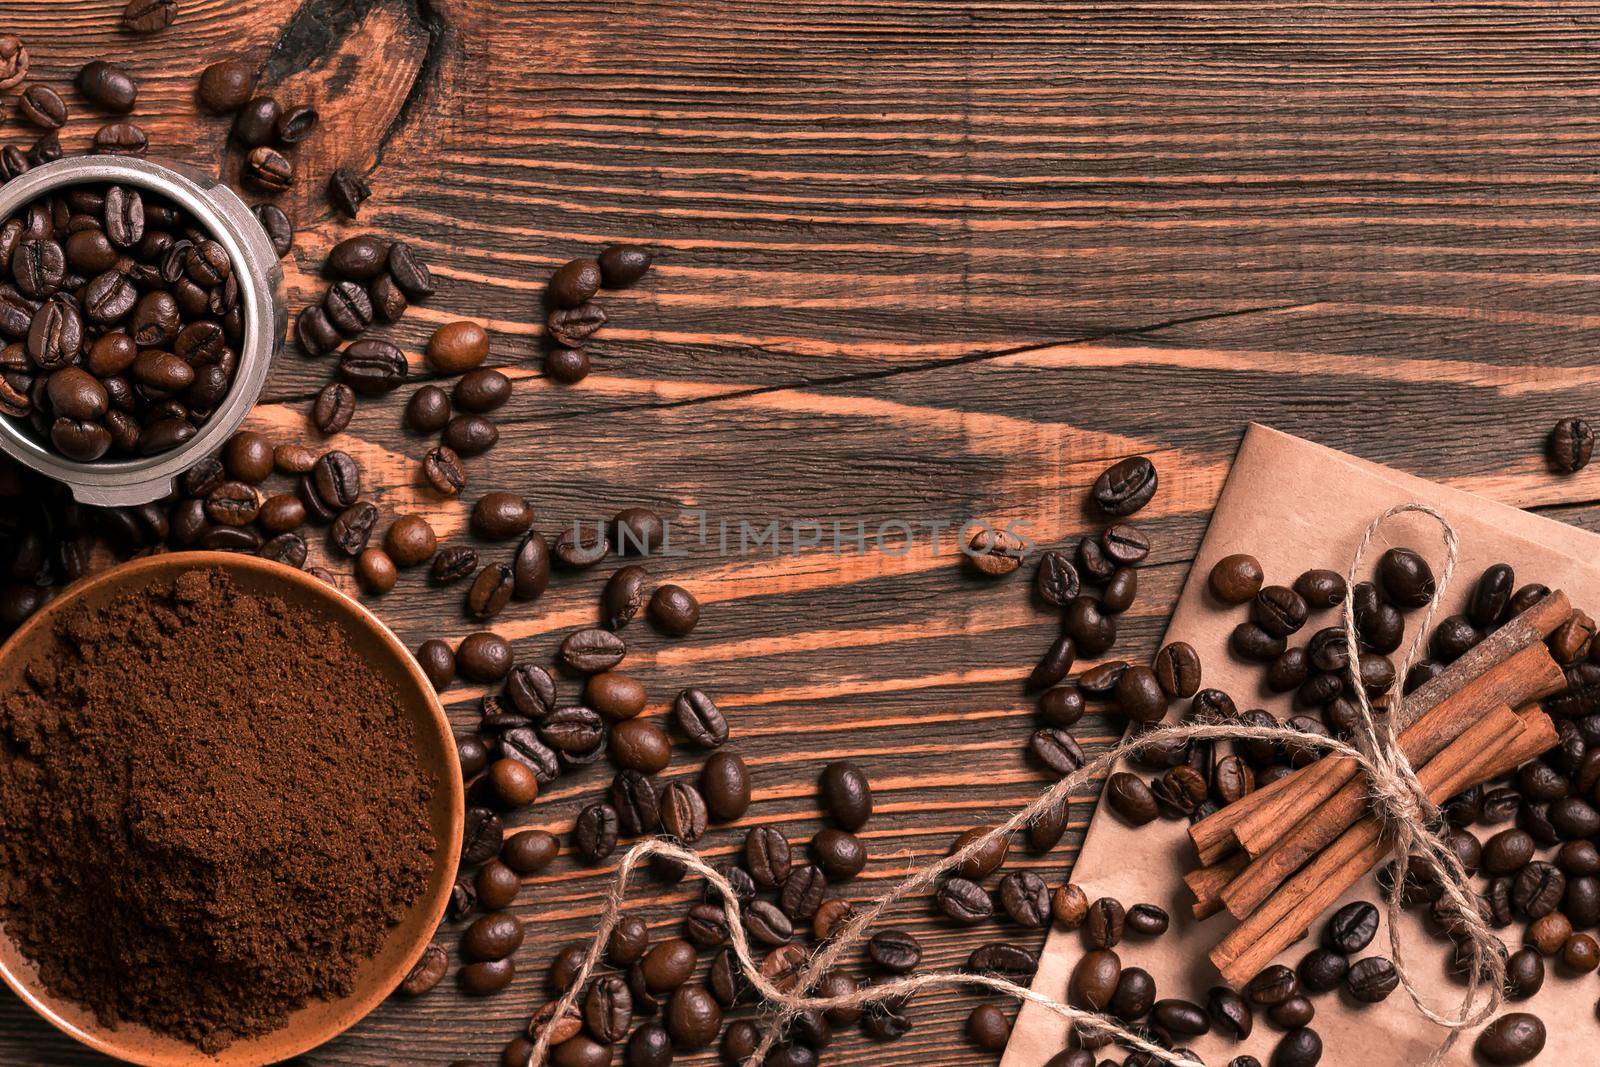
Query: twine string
[(1397, 798)]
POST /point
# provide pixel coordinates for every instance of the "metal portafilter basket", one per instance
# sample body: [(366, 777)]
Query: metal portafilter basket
[(128, 482)]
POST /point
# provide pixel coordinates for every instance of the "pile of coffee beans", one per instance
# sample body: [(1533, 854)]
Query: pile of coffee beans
[(123, 318), (574, 317), (263, 129)]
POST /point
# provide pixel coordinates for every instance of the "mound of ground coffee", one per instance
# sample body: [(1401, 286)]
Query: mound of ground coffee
[(210, 811)]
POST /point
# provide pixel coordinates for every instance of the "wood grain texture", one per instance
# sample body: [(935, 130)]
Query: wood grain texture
[(919, 261)]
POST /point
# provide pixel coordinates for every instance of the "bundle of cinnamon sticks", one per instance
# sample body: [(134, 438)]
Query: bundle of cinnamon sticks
[(1279, 857)]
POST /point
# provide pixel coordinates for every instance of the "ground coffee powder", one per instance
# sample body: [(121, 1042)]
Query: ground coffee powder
[(210, 811)]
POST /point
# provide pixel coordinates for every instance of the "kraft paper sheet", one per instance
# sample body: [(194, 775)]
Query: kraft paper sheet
[(1296, 505)]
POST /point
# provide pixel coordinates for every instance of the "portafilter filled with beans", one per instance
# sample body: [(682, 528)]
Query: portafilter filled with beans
[(141, 305)]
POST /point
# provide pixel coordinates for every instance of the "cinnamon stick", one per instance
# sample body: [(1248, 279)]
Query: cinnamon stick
[(1207, 883), (1459, 695), (1481, 753), (1527, 675)]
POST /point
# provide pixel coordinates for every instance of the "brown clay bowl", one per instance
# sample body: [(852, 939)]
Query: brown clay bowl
[(318, 1021)]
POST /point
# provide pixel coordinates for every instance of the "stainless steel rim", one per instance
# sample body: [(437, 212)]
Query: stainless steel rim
[(234, 226)]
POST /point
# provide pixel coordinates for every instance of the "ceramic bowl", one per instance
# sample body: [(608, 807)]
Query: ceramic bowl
[(318, 1021)]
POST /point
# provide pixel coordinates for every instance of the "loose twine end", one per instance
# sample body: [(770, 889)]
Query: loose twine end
[(1397, 798)]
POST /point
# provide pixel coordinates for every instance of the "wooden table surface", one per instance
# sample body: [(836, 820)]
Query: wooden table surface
[(920, 262)]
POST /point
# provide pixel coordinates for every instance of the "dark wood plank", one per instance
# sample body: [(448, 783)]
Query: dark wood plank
[(923, 262)]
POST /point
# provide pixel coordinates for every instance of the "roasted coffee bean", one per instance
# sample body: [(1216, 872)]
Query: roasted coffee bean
[(767, 923), (1251, 642), (1093, 631), (1093, 561), (994, 553), (481, 391), (1580, 954), (296, 124), (566, 365), (1100, 681), (1130, 797), (1278, 610), (1177, 670), (530, 851), (1125, 487), (1025, 898), (335, 406), (530, 567), (1055, 665), (1121, 590), (1321, 589), (839, 853), (572, 730), (674, 610), (1274, 985), (1507, 852), (1147, 920), (1351, 928), (895, 951), (148, 16), (608, 1009), (1001, 959), (233, 504), (571, 327), (1047, 827), (1405, 578), (1524, 973), (697, 716), (964, 901), (347, 192), (1537, 889), (573, 551), (1061, 705), (409, 273), (268, 170), (1230, 1013), (594, 834), (1372, 979), (348, 307), (1322, 970), (1570, 445), (622, 596), (1547, 934), (388, 302), (353, 528), (108, 85), (13, 61), (1056, 750), (1181, 1018), (483, 656), (492, 937), (1094, 980), (804, 891), (767, 856), (314, 332), (1235, 579), (470, 435), (989, 1028), (428, 409), (574, 283), (482, 835), (376, 571), (42, 106), (1135, 994), (1104, 923), (1514, 1038), (279, 230), (458, 347), (1140, 696), (444, 471), (256, 122), (634, 797), (427, 972), (500, 516), (591, 651), (668, 965), (453, 564), (640, 745), (622, 265), (989, 857), (225, 86), (372, 367), (725, 784), (683, 812), (1056, 579)]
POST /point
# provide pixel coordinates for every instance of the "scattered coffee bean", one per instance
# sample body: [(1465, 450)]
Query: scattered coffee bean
[(1514, 1038), (1125, 487)]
